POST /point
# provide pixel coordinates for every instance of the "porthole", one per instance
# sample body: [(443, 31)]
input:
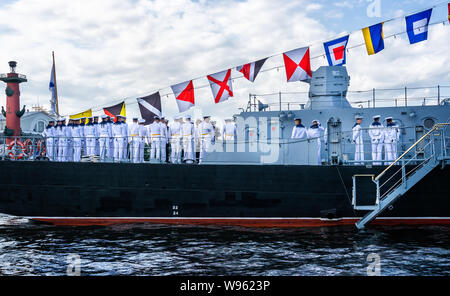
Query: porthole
[(429, 123)]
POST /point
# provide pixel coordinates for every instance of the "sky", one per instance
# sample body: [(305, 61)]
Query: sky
[(110, 50)]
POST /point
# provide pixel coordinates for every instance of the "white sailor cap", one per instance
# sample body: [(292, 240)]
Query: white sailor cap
[(82, 117), (207, 116), (141, 120), (316, 121), (377, 116), (187, 116), (62, 119), (156, 118), (176, 117), (388, 118), (358, 117), (297, 118), (104, 116)]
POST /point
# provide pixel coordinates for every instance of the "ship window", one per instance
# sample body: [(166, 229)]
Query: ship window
[(429, 123), (39, 126)]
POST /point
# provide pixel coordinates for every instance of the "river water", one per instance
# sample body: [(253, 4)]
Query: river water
[(28, 249)]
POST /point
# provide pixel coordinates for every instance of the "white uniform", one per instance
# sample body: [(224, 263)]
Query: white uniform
[(111, 142), (391, 137), (49, 135), (124, 126), (154, 134), (142, 136), (206, 134), (97, 141), (135, 141), (61, 135), (104, 133), (164, 141), (117, 132), (188, 132), (89, 133), (377, 136), (229, 132), (359, 143), (175, 136), (69, 134), (315, 132), (83, 139), (299, 132), (77, 142)]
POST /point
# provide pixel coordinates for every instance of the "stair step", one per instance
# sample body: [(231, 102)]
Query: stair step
[(366, 208)]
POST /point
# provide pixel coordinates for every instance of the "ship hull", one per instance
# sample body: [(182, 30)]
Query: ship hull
[(236, 195)]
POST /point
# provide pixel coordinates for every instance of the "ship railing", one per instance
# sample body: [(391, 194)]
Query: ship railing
[(433, 148)]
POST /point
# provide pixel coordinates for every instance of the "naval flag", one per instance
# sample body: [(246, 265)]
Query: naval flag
[(115, 110), (87, 114), (297, 64), (52, 89), (221, 85), (150, 106), (373, 36), (417, 26), (251, 70), (184, 95), (335, 51)]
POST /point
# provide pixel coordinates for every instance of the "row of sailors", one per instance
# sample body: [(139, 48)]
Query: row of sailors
[(110, 140), (380, 136)]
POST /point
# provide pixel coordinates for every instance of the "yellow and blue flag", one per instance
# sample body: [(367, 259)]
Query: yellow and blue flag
[(373, 36)]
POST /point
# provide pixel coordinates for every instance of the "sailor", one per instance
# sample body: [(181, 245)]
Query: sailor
[(83, 138), (49, 135), (97, 142), (377, 137), (197, 139), (105, 134), (358, 140), (142, 139), (391, 138), (70, 131), (314, 132), (164, 139), (206, 132), (76, 140), (110, 155), (299, 130), (60, 134), (117, 132), (175, 136), (188, 132), (124, 126), (89, 133), (154, 134), (133, 131), (229, 130)]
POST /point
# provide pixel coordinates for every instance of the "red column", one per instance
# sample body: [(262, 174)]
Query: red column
[(13, 106)]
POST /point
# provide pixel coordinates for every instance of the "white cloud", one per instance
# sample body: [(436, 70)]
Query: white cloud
[(313, 7), (108, 50)]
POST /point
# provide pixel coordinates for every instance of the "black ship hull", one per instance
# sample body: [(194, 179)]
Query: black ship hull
[(254, 196)]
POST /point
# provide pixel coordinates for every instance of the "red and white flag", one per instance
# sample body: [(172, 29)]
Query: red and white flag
[(251, 70), (297, 64), (221, 85), (184, 94)]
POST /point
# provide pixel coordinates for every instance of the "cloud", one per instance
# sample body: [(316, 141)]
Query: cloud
[(114, 49)]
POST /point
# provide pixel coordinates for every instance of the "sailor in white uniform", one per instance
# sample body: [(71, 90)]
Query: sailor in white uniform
[(104, 133), (175, 136), (49, 135), (89, 133), (358, 140), (206, 133), (164, 139), (377, 138), (154, 134), (61, 135), (110, 155), (314, 132), (83, 138), (299, 130), (70, 131), (391, 138), (97, 141), (117, 132), (133, 131), (188, 132), (125, 135), (142, 138), (229, 130), (76, 140)]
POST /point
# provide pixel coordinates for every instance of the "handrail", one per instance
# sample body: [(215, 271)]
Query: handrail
[(436, 126)]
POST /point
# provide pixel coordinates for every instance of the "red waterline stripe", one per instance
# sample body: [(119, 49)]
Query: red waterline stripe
[(256, 222)]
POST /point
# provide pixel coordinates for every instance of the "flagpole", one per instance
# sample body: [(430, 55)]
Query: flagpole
[(56, 87)]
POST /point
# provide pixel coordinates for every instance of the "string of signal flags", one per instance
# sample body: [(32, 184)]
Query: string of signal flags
[(297, 64)]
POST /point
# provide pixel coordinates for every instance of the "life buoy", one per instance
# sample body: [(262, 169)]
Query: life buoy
[(21, 147), (28, 147), (41, 147)]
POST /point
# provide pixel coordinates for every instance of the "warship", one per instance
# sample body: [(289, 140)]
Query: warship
[(264, 179)]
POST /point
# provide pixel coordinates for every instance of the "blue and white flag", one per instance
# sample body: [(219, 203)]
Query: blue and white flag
[(52, 88), (417, 26), (335, 51)]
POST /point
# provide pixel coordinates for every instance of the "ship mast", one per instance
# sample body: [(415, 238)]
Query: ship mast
[(56, 87)]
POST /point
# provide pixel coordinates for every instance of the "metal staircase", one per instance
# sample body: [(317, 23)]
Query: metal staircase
[(401, 175)]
